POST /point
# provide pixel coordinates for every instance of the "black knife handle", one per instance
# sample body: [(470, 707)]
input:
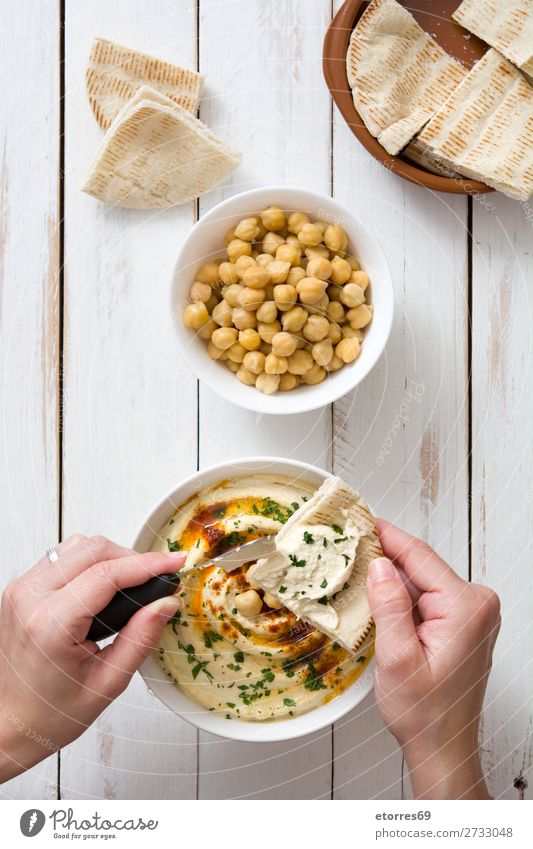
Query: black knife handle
[(126, 602)]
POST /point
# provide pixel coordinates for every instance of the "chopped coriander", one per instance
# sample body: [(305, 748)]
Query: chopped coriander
[(339, 539), (268, 675), (239, 657), (173, 546), (295, 562), (289, 702), (337, 529), (308, 538), (201, 667), (346, 559), (324, 584), (210, 637), (323, 600), (313, 682), (231, 704), (282, 589)]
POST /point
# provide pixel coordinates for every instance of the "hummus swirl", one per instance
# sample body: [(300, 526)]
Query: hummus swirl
[(271, 666)]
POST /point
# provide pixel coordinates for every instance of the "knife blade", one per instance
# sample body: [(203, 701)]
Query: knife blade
[(235, 557)]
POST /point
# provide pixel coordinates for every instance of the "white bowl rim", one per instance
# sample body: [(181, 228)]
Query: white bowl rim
[(254, 732), (325, 393)]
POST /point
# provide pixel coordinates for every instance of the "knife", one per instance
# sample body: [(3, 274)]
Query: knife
[(126, 602)]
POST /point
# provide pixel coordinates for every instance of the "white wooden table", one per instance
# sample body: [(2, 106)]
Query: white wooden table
[(99, 417)]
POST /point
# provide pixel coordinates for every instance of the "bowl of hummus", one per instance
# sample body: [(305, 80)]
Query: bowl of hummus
[(257, 672)]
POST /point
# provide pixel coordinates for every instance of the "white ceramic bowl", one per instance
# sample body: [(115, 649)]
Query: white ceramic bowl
[(172, 696), (206, 241)]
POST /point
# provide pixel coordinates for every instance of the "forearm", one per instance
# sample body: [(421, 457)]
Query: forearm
[(21, 747), (452, 771)]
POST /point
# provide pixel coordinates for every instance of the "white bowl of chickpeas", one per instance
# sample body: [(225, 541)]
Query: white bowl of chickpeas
[(282, 300)]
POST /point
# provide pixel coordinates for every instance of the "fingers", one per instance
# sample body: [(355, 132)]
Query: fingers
[(422, 565), (82, 552), (391, 607), (115, 664), (74, 605)]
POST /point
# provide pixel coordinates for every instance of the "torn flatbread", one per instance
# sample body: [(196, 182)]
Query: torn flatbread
[(399, 76), (485, 128), (115, 73), (506, 25), (156, 154), (319, 568)]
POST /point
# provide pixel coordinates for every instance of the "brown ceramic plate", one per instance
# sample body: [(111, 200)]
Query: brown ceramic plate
[(435, 17)]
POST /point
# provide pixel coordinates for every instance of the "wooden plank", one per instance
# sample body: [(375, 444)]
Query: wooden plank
[(270, 101), (502, 478), (29, 300), (401, 436), (130, 405)]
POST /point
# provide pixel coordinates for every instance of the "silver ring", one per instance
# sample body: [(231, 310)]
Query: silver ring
[(52, 554)]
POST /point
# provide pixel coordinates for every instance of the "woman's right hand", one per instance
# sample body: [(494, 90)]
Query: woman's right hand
[(434, 639)]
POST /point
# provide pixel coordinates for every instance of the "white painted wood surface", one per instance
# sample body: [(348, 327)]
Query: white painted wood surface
[(135, 420)]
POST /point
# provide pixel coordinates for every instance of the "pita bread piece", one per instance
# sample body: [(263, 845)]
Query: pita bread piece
[(319, 568), (506, 25), (114, 74), (485, 128), (398, 75), (156, 154)]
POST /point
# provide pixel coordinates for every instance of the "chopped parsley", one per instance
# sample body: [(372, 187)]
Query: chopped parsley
[(339, 539), (314, 682), (323, 600), (173, 546), (308, 538), (295, 562), (282, 589), (210, 637), (324, 584), (361, 658), (231, 704), (347, 560), (289, 702), (239, 657), (337, 529), (218, 514)]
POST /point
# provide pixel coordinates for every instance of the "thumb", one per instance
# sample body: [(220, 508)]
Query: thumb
[(119, 660), (391, 607)]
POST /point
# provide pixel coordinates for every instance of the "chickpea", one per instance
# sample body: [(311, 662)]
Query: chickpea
[(319, 250), (249, 339), (263, 260), (267, 312), (224, 337), (334, 364), (335, 238), (300, 362), (228, 273), (348, 350), (310, 235), (222, 314), (340, 271), (272, 602), (254, 361), (321, 305), (232, 293), (285, 297), (246, 377), (236, 353), (237, 248), (272, 242), (319, 267), (262, 232), (310, 290), (335, 312), (200, 292), (288, 253), (322, 352), (334, 292), (216, 353), (275, 364), (349, 332), (334, 333), (230, 235), (294, 319), (296, 274), (360, 316), (296, 221), (206, 331), (283, 344), (247, 229), (315, 375), (279, 270), (273, 218), (352, 295), (267, 383), (242, 263), (354, 265), (234, 367), (243, 319), (256, 277), (195, 315), (288, 381), (268, 331), (208, 273), (322, 225), (361, 278), (251, 299), (317, 328)]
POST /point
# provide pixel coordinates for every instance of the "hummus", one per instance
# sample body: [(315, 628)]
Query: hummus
[(273, 665)]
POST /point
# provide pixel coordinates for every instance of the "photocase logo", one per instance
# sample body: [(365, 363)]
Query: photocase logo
[(32, 822)]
